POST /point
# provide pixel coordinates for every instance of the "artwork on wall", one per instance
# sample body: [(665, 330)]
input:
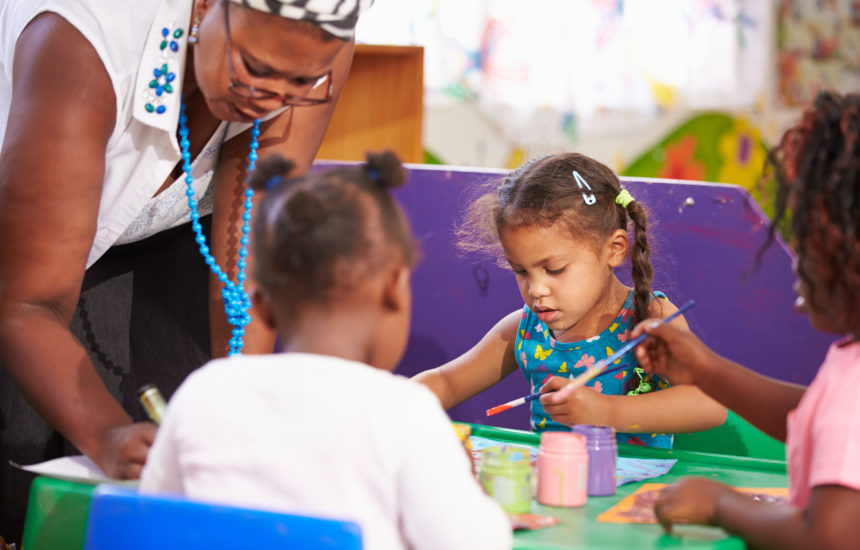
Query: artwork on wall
[(713, 147), (818, 47), (598, 67)]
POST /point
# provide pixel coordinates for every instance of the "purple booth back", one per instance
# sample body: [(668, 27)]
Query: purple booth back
[(704, 239)]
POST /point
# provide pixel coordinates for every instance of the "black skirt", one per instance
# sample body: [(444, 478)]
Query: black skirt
[(143, 316)]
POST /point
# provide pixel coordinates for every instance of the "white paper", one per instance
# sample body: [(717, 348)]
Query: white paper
[(77, 468)]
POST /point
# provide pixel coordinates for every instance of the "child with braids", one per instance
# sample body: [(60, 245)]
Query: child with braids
[(561, 222), (817, 169), (325, 428)]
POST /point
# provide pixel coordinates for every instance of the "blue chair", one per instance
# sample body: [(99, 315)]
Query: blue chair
[(121, 518)]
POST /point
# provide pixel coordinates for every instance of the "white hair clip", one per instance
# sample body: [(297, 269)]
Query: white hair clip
[(589, 198)]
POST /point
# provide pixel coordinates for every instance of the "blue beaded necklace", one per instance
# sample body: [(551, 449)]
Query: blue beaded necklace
[(235, 298)]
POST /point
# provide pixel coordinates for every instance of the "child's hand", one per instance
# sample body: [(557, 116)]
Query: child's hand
[(582, 406), (672, 352), (691, 500)]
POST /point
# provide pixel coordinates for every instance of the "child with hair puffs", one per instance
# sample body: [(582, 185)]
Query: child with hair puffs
[(325, 428)]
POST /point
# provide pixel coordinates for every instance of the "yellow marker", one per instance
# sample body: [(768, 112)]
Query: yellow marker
[(153, 402)]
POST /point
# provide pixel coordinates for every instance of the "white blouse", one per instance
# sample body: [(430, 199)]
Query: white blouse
[(143, 148)]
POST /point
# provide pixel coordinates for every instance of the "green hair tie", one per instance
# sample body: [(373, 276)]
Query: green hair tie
[(644, 382), (624, 198)]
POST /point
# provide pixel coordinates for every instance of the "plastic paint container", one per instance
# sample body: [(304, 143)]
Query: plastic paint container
[(602, 456), (506, 475), (562, 469)]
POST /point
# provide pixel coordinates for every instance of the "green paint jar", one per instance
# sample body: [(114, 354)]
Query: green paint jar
[(506, 475)]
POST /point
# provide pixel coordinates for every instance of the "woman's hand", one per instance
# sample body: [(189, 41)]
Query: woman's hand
[(582, 406), (691, 500), (672, 353), (126, 448)]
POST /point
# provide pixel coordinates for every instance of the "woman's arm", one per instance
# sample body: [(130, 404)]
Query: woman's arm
[(486, 364), (51, 172), (296, 134), (829, 523)]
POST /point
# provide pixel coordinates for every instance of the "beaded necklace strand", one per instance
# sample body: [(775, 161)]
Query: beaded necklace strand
[(235, 298)]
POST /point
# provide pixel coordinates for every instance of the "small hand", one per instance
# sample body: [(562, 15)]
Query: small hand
[(583, 405), (691, 500), (671, 352), (126, 450)]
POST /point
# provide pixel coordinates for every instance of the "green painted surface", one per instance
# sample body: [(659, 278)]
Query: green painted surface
[(579, 527), (735, 437), (56, 515)]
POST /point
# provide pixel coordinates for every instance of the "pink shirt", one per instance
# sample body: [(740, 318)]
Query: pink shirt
[(823, 442)]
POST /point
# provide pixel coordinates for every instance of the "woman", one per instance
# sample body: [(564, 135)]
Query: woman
[(93, 205)]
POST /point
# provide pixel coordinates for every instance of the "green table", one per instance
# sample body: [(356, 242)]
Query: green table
[(56, 516), (579, 527)]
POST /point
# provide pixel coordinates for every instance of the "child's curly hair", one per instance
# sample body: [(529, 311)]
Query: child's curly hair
[(322, 234), (817, 171), (544, 191)]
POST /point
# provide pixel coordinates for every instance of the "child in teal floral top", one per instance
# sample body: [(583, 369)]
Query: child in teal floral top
[(560, 222), (540, 357)]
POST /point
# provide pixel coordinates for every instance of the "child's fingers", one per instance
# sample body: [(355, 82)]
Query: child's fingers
[(641, 327), (643, 356), (663, 509), (554, 384), (651, 355), (550, 394)]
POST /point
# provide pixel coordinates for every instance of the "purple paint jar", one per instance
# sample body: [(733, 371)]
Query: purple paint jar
[(602, 455)]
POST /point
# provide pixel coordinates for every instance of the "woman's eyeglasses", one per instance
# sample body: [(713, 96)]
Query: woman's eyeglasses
[(252, 92)]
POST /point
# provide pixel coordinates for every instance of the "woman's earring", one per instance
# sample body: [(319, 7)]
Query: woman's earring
[(195, 28)]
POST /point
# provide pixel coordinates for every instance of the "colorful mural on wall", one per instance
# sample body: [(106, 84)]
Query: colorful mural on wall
[(712, 147)]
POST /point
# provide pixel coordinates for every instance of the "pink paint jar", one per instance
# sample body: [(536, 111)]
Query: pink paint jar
[(562, 469)]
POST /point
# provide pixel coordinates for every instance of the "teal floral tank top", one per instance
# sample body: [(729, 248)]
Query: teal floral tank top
[(540, 357)]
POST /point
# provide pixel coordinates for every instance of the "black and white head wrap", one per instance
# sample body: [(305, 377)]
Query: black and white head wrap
[(337, 17)]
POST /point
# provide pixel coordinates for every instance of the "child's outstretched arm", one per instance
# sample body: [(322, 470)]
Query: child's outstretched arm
[(682, 358), (830, 522), (679, 409), (486, 364)]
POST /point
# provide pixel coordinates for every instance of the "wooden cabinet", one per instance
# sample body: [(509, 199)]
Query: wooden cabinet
[(381, 106)]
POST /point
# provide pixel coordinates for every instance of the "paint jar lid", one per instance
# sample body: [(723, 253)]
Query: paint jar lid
[(595, 433), (463, 431), (562, 442), (593, 430), (506, 457)]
